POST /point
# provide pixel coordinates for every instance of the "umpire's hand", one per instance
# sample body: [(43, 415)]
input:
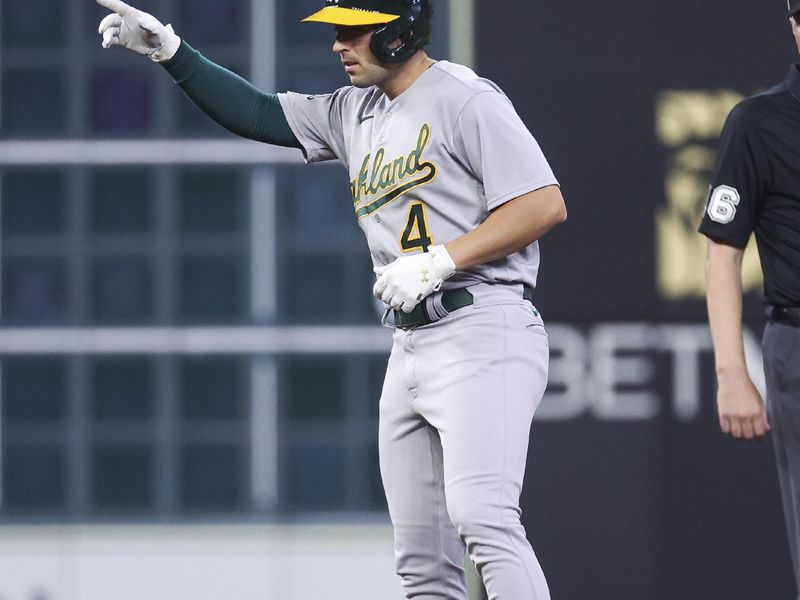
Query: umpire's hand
[(742, 413), (137, 31)]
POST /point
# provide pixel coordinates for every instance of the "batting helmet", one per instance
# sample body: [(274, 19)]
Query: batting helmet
[(406, 20)]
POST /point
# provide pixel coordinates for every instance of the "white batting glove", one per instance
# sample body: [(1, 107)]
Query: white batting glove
[(137, 31), (410, 279)]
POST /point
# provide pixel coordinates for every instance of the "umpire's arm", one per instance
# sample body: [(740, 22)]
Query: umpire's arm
[(741, 409)]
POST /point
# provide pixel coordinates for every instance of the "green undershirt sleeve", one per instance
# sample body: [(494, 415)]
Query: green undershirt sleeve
[(230, 100)]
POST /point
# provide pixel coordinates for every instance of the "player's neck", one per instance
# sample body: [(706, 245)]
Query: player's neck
[(405, 76)]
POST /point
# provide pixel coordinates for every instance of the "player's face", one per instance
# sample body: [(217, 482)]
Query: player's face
[(360, 64), (796, 28)]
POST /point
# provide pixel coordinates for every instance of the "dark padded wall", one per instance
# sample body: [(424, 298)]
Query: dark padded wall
[(660, 506)]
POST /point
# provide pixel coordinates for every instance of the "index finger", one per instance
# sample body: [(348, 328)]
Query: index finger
[(117, 6)]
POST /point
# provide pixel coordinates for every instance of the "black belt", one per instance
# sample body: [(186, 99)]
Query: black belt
[(785, 315), (451, 300)]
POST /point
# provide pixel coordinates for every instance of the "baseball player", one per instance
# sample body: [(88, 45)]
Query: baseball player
[(452, 193), (756, 189)]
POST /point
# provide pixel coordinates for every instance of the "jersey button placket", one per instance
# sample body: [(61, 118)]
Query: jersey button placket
[(383, 129)]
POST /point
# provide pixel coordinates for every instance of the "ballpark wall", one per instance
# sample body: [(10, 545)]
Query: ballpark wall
[(632, 492)]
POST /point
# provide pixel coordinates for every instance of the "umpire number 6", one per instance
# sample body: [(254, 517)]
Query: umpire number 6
[(416, 235), (722, 204)]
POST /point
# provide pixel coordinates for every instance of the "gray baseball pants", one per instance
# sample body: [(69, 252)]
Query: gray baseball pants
[(782, 369), (455, 416)]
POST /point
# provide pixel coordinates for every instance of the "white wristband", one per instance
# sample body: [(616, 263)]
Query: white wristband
[(442, 262), (169, 48)]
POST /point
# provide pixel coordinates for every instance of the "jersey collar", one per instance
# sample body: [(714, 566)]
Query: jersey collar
[(792, 81), (407, 92)]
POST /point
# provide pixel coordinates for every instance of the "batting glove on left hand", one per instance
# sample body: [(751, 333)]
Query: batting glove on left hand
[(410, 279)]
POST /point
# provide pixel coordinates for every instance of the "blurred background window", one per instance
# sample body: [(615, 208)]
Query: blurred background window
[(34, 201), (35, 290), (213, 389), (122, 200), (123, 478), (128, 92), (122, 290), (123, 389), (37, 24), (34, 391), (34, 479), (34, 101)]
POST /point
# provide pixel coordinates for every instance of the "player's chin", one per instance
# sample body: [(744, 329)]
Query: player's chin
[(355, 78), (358, 80)]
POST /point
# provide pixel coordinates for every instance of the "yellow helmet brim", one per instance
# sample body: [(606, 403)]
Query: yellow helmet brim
[(336, 15)]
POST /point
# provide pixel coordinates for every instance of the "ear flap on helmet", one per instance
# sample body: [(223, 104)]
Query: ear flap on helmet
[(412, 28)]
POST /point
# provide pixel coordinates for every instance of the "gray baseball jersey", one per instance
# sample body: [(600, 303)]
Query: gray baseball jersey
[(459, 394), (428, 166)]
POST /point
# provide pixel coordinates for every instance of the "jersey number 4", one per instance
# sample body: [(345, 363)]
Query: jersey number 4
[(416, 233)]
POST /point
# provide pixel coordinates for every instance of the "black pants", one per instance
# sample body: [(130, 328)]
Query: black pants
[(782, 370)]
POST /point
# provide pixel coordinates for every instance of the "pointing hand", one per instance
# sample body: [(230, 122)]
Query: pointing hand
[(137, 31)]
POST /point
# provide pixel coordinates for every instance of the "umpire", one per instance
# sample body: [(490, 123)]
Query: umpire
[(756, 189)]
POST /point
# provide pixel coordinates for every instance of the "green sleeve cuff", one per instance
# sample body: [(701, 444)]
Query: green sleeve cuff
[(183, 64)]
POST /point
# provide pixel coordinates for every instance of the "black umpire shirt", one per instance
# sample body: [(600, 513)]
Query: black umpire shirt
[(756, 186)]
